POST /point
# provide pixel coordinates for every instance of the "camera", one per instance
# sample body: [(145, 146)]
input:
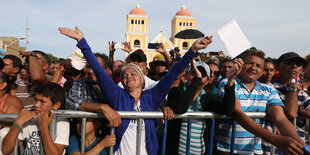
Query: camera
[(153, 46), (118, 45), (214, 53)]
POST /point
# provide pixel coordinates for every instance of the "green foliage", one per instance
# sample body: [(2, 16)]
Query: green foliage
[(202, 55), (52, 58)]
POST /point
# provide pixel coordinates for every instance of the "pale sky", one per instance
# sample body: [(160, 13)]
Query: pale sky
[(274, 26)]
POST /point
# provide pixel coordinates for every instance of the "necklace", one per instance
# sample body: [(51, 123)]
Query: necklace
[(246, 91)]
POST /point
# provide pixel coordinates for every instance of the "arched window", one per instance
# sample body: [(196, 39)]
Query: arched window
[(184, 24), (136, 44), (135, 21), (132, 22), (180, 24), (142, 22), (185, 46), (190, 24), (138, 21)]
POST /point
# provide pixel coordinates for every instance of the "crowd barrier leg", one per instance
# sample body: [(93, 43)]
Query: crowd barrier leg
[(16, 147), (274, 130), (52, 128), (232, 146), (188, 139), (211, 139), (139, 121), (163, 148), (83, 130), (111, 147)]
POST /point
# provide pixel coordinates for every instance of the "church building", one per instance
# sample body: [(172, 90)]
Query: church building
[(137, 32)]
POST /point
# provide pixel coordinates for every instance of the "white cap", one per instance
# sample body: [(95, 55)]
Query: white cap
[(77, 59), (205, 67)]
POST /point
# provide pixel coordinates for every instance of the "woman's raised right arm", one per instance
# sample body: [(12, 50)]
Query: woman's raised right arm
[(108, 88)]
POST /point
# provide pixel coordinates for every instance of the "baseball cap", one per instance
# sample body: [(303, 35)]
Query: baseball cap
[(77, 59), (290, 56), (204, 66), (137, 54)]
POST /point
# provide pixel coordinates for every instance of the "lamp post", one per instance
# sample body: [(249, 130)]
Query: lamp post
[(6, 46)]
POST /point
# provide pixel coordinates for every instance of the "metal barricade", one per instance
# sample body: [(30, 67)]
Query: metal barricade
[(133, 115)]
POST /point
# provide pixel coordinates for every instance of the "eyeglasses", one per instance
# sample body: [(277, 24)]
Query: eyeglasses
[(215, 72), (293, 62)]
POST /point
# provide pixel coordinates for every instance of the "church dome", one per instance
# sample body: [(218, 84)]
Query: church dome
[(183, 12), (137, 11)]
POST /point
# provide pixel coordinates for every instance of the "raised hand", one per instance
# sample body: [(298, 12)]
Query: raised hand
[(235, 71), (76, 34), (127, 47), (194, 69), (201, 43), (24, 54), (222, 54), (111, 46), (161, 49)]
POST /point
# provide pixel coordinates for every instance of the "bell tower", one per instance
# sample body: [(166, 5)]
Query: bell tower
[(182, 20), (137, 28)]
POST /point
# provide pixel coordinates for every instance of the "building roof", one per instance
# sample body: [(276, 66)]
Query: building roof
[(183, 12), (137, 11)]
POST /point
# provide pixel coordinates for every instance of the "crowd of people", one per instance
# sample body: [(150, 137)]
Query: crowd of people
[(171, 83)]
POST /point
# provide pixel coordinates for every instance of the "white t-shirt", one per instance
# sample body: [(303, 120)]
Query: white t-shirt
[(31, 133), (149, 83), (128, 143)]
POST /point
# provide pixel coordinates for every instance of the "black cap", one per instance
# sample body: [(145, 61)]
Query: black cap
[(138, 53), (290, 56)]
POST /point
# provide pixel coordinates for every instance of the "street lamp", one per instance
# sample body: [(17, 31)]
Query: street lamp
[(6, 46)]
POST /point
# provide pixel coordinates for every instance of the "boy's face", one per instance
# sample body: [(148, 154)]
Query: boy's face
[(43, 104)]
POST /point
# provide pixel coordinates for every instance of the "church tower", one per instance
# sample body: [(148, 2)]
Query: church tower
[(137, 28), (182, 20)]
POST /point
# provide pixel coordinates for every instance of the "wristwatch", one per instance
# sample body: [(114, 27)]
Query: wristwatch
[(291, 89), (33, 54)]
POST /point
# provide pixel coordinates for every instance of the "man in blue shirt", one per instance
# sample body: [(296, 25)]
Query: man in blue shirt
[(253, 96)]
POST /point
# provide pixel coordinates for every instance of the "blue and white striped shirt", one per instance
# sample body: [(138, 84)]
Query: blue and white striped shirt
[(256, 100), (303, 99), (197, 145)]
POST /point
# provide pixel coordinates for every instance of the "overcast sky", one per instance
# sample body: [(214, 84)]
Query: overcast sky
[(274, 26)]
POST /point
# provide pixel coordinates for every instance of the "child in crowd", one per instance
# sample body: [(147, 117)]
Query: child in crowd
[(93, 143), (49, 96)]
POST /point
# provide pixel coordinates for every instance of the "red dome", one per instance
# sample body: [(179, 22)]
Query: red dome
[(137, 11), (183, 12)]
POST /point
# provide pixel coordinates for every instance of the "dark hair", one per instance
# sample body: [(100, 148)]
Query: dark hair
[(52, 90), (104, 58), (269, 61), (45, 58), (226, 60), (212, 63), (15, 60), (307, 58), (5, 78)]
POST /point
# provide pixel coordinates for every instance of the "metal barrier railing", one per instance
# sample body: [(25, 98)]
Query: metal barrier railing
[(139, 116)]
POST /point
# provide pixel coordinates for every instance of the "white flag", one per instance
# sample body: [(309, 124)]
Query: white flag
[(234, 39)]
